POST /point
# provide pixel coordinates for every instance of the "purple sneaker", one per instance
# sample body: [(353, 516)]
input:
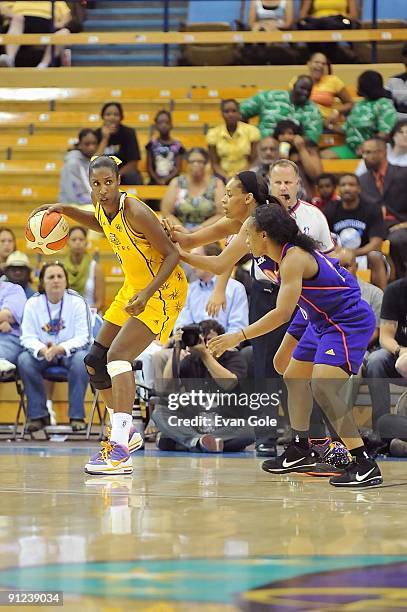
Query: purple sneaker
[(113, 458), (135, 442)]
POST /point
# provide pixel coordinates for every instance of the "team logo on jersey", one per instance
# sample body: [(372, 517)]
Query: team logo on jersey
[(118, 227), (330, 352), (113, 239)]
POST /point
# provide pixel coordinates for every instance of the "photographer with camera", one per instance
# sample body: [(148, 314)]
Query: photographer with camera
[(201, 425)]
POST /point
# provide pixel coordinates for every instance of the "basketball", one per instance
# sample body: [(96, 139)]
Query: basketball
[(46, 233)]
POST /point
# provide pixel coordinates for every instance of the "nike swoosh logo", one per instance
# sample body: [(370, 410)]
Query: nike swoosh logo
[(287, 464), (363, 476)]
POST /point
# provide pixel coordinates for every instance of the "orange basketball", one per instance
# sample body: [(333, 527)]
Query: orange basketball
[(46, 233)]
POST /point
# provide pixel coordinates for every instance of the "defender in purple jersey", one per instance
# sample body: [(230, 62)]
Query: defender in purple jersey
[(339, 327)]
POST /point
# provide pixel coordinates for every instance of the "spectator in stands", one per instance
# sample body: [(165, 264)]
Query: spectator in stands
[(18, 271), (375, 115), (397, 86), (267, 153), (194, 198), (117, 139), (7, 246), (327, 90), (270, 15), (303, 152), (370, 293), (85, 274), (55, 331), (12, 302), (381, 364), (74, 185), (35, 18), (164, 154), (274, 105), (359, 225), (396, 148), (326, 187), (386, 185), (235, 313), (231, 145), (213, 375)]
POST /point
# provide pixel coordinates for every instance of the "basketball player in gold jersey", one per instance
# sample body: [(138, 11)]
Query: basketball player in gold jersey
[(146, 307)]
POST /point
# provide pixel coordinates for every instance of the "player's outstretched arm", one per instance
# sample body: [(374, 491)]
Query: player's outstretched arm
[(82, 217), (291, 274), (204, 235), (219, 263)]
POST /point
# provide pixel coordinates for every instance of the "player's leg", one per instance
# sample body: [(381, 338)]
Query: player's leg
[(96, 361), (131, 340), (283, 356), (327, 385)]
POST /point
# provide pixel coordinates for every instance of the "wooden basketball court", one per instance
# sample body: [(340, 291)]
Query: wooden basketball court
[(196, 532)]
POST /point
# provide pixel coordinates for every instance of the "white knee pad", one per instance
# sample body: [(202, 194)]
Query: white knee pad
[(118, 367)]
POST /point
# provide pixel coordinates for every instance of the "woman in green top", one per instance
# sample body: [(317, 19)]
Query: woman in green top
[(85, 275), (375, 115)]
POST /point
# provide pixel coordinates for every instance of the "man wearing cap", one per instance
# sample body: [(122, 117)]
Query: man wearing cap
[(18, 271), (12, 302)]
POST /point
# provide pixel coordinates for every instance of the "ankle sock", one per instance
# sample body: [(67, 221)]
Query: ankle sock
[(300, 438), (121, 428), (359, 453)]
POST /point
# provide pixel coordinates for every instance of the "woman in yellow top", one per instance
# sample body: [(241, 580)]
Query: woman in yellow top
[(34, 18), (231, 145), (328, 8), (327, 90), (145, 308)]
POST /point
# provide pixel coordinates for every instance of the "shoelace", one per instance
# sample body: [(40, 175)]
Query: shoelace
[(106, 449)]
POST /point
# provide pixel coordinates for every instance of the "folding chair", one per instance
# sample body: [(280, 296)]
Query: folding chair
[(13, 377)]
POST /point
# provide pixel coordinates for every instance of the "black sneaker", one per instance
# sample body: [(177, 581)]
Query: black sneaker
[(359, 473), (294, 459)]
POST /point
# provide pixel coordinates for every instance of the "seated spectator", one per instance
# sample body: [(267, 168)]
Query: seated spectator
[(359, 225), (304, 153), (7, 246), (117, 139), (199, 367), (231, 145), (269, 15), (74, 185), (164, 154), (275, 105), (326, 188), (195, 198), (236, 313), (375, 115), (397, 86), (18, 271), (381, 365), (85, 274), (329, 15), (55, 331), (35, 18), (396, 148), (386, 185), (12, 302), (267, 153), (327, 90)]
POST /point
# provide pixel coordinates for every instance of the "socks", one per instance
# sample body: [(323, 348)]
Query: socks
[(300, 438), (121, 428), (111, 413), (359, 453)]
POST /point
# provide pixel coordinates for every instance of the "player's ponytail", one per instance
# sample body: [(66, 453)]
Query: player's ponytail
[(278, 224)]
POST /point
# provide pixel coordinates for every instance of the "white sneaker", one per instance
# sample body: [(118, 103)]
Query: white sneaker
[(6, 366)]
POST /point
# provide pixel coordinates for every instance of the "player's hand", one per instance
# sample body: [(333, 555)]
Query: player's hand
[(59, 208), (217, 346), (137, 303), (216, 302)]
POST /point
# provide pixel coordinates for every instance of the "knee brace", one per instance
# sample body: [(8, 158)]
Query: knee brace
[(117, 367), (97, 360)]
